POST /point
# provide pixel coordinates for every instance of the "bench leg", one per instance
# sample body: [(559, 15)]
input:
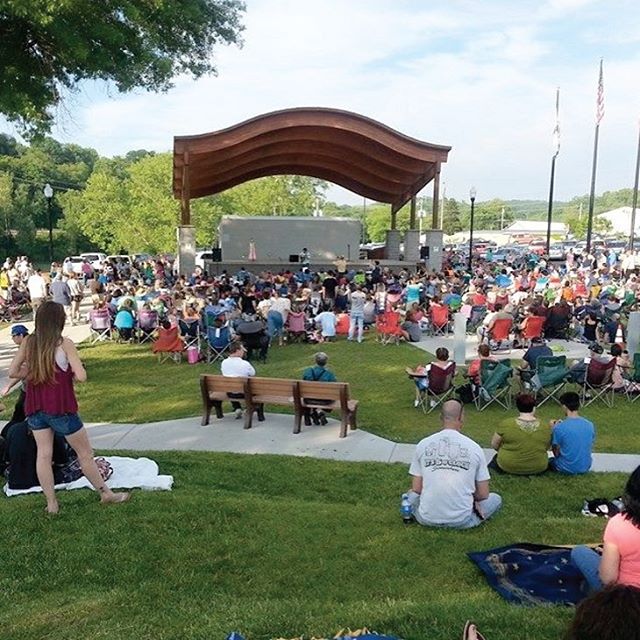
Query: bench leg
[(344, 419), (248, 417), (218, 407), (353, 423), (206, 416), (297, 421)]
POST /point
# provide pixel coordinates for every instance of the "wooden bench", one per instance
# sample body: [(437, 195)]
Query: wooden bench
[(278, 391), (215, 390), (332, 396), (299, 394)]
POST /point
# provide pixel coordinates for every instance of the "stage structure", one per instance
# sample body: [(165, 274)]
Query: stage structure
[(345, 148)]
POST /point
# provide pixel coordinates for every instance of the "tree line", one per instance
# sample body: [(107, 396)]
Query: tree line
[(125, 203)]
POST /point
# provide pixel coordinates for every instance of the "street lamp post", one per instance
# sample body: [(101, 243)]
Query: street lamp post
[(48, 194), (472, 197)]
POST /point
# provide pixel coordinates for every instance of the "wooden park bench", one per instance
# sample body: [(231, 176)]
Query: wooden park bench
[(299, 394)]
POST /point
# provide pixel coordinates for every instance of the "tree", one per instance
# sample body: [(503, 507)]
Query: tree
[(48, 47), (578, 222), (451, 222), (489, 215)]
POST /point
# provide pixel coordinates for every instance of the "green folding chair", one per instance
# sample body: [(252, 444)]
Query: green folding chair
[(495, 384), (632, 387), (551, 373)]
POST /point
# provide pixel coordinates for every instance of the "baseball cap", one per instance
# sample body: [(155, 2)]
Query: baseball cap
[(19, 330)]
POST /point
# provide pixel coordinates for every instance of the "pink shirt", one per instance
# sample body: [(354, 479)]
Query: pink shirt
[(626, 536)]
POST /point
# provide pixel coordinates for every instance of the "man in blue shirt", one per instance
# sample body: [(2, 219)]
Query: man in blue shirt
[(319, 373), (572, 438)]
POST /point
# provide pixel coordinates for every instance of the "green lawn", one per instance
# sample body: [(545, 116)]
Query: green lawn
[(126, 384), (273, 547)]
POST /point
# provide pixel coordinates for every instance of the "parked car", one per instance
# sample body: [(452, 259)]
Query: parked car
[(73, 263), (95, 259), (556, 251), (119, 258), (201, 256), (139, 258), (538, 247)]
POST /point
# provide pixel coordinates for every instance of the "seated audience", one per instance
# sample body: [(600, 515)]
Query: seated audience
[(572, 438), (521, 442), (318, 373), (450, 486)]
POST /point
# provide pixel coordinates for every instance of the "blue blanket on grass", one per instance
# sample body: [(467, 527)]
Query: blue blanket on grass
[(531, 574)]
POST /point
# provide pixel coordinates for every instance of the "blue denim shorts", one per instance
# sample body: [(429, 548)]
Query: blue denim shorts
[(64, 425)]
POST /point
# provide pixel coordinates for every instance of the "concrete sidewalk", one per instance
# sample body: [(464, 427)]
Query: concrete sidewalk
[(275, 436)]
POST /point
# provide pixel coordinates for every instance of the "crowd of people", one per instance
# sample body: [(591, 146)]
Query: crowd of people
[(585, 298)]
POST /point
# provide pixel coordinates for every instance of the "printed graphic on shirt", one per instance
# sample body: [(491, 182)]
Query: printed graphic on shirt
[(445, 455)]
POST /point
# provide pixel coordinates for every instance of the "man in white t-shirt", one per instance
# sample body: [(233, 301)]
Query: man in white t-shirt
[(235, 366), (450, 477), (356, 315), (37, 289)]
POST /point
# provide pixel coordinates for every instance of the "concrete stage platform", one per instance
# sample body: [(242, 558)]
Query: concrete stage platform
[(275, 266)]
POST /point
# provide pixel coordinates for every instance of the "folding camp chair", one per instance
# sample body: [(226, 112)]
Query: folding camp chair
[(632, 380), (598, 383), (551, 372), (499, 335), (99, 325), (495, 384), (296, 326), (147, 325), (390, 328), (190, 332), (440, 386), (478, 313), (439, 320), (169, 345), (533, 329), (218, 342)]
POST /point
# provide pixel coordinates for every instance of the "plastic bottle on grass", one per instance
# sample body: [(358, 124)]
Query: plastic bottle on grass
[(405, 509)]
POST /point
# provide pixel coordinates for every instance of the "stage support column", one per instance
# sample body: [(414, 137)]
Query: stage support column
[(412, 214), (433, 244), (412, 246), (459, 338), (393, 244), (435, 219), (186, 250)]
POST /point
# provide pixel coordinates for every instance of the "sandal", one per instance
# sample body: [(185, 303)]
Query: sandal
[(471, 632)]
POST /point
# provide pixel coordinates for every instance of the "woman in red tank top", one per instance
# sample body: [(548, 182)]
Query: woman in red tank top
[(50, 364)]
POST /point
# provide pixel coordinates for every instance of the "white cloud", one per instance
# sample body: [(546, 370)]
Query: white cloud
[(481, 80)]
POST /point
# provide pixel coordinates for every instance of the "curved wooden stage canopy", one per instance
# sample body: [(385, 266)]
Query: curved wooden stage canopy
[(355, 152)]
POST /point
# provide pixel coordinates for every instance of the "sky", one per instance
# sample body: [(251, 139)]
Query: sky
[(479, 76)]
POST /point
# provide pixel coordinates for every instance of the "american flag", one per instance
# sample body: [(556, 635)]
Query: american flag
[(600, 99), (556, 129)]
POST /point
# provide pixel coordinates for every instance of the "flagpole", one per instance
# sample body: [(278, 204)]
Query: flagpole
[(556, 135), (635, 196), (592, 193)]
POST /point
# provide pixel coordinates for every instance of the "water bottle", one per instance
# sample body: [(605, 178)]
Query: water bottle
[(405, 509)]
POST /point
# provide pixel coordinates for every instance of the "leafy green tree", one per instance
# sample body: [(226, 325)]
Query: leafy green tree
[(578, 222), (48, 47), (451, 222)]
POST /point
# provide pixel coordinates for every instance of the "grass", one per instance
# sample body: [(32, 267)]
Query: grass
[(126, 384), (273, 546)]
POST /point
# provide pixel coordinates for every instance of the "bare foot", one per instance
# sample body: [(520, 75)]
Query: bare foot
[(115, 498)]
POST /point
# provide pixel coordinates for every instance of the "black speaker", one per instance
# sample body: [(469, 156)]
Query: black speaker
[(294, 257), (216, 254), (424, 253)]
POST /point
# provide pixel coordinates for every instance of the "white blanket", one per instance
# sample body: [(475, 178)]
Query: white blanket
[(128, 473)]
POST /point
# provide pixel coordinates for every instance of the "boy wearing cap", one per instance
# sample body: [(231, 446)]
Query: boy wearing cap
[(18, 334)]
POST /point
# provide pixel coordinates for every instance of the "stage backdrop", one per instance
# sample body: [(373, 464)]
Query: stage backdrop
[(276, 238)]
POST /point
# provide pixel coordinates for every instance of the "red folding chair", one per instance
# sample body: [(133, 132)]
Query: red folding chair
[(533, 328), (499, 334), (391, 331), (439, 320), (598, 383)]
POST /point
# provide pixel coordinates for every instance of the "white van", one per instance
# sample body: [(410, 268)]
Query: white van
[(95, 259)]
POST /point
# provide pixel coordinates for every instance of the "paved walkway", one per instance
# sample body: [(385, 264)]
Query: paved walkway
[(274, 436)]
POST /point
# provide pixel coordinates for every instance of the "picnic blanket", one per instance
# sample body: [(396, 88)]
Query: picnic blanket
[(343, 634), (128, 473), (531, 574)]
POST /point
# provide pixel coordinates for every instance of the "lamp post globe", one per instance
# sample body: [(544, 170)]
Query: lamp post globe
[(48, 194)]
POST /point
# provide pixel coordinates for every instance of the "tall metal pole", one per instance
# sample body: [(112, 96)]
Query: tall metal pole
[(48, 194), (472, 197), (592, 193), (550, 207), (635, 196)]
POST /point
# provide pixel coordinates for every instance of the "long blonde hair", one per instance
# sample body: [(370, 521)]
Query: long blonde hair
[(42, 343)]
